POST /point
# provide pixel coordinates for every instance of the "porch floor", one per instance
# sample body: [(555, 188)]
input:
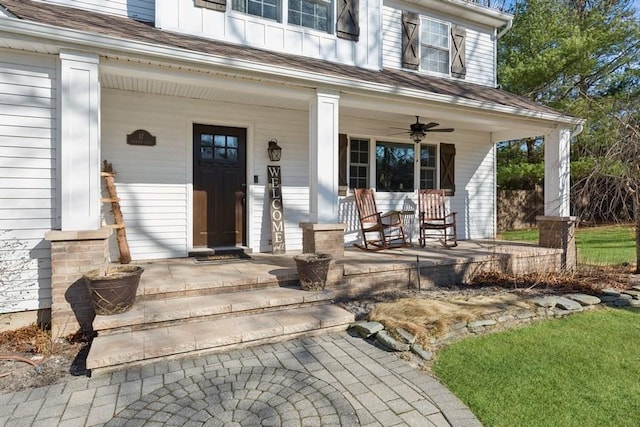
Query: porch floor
[(265, 267)]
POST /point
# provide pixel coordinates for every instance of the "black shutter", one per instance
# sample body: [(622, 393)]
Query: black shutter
[(448, 168), (410, 40), (343, 145), (459, 61), (347, 26), (220, 5)]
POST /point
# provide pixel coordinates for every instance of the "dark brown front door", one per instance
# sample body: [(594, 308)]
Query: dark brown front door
[(219, 162)]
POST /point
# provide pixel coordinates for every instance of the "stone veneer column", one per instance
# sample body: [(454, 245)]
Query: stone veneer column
[(324, 238), (73, 253), (559, 232)]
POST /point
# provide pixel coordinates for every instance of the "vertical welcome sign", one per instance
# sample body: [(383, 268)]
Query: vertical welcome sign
[(275, 210)]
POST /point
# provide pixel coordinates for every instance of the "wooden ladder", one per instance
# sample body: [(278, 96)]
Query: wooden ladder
[(121, 233)]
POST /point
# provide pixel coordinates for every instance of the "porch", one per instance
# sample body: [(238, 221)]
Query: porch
[(360, 272), (185, 306)]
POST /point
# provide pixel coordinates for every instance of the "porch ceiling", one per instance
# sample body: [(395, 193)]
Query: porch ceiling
[(382, 113)]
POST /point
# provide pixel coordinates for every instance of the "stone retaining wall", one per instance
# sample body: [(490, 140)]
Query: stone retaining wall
[(534, 310)]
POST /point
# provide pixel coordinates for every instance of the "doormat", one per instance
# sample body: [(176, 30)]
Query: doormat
[(226, 256)]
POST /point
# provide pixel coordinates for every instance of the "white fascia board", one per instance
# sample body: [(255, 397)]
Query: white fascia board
[(467, 10), (91, 41)]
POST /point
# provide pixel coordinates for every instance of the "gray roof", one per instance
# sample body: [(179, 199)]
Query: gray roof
[(128, 29)]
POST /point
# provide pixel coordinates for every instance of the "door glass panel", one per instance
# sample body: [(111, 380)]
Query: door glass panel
[(232, 141), (206, 153), (220, 140), (206, 140), (232, 154)]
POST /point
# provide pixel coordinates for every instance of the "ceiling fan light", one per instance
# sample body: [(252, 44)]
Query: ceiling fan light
[(417, 137)]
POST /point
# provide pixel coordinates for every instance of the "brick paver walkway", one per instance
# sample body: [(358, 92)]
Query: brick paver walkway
[(320, 381)]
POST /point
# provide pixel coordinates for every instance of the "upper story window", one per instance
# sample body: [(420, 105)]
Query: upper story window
[(269, 9), (434, 46), (312, 14)]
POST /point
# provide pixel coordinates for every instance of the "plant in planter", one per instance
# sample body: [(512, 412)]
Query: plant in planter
[(113, 290), (312, 270)]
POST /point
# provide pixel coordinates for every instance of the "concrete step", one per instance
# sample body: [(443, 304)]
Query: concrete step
[(211, 335), (161, 281), (147, 314)]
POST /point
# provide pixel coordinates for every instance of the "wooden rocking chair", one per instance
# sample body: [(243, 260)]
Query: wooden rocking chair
[(433, 216), (387, 227)]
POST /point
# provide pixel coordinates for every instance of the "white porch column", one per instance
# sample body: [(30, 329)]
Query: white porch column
[(79, 141), (323, 158), (556, 173)]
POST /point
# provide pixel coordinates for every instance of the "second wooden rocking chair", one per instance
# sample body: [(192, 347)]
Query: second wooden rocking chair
[(434, 220), (387, 227)]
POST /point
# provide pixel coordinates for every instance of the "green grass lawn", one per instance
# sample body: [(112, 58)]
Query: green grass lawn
[(583, 370), (604, 245)]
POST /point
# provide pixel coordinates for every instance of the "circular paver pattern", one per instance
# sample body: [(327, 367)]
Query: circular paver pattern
[(251, 396)]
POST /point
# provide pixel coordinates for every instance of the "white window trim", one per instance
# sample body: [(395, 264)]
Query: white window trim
[(369, 167), (436, 168), (282, 20), (331, 24), (448, 24)]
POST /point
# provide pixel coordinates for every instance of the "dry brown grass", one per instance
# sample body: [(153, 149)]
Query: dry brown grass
[(426, 318), (589, 280), (29, 339)]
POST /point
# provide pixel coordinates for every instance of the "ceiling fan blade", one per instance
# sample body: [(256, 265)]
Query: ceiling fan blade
[(430, 125), (440, 130), (397, 133), (393, 127)]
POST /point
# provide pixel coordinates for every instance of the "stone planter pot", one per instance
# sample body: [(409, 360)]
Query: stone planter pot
[(312, 270), (114, 292)]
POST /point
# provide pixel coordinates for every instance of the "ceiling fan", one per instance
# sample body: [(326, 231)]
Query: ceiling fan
[(418, 130)]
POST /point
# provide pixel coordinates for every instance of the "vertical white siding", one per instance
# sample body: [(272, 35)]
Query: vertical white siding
[(154, 182), (479, 44), (142, 10), (235, 27), (27, 179)]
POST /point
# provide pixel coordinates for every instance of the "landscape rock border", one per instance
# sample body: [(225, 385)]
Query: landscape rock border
[(541, 308)]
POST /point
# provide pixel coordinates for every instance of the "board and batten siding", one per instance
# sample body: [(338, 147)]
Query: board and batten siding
[(153, 183), (27, 179), (236, 27), (479, 44), (141, 10)]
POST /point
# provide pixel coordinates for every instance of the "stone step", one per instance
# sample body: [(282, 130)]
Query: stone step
[(161, 281), (210, 335), (147, 314)]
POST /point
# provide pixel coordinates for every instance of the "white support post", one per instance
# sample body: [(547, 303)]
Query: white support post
[(79, 141), (557, 183), (323, 158)]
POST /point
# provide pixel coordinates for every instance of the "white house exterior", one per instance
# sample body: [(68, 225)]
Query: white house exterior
[(332, 81)]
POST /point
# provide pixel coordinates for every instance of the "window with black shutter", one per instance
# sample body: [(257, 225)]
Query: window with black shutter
[(448, 168), (220, 5), (432, 45), (347, 24)]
